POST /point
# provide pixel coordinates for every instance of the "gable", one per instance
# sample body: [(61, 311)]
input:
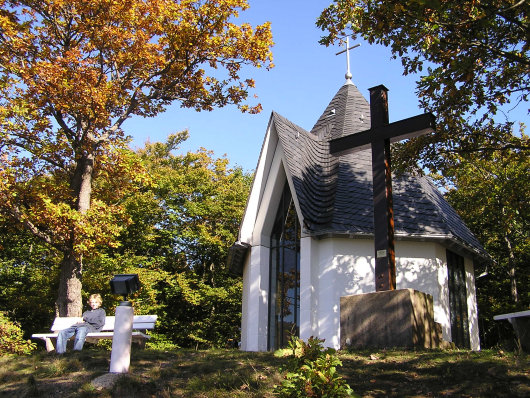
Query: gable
[(269, 181), (333, 194)]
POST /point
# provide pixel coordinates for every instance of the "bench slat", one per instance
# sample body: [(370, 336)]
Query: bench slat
[(145, 318), (512, 315), (139, 322), (61, 323), (143, 322), (43, 335), (92, 334), (143, 325)]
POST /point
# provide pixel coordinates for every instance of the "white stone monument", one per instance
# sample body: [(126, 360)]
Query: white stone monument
[(120, 357)]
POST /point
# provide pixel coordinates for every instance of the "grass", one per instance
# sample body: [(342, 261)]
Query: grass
[(232, 373)]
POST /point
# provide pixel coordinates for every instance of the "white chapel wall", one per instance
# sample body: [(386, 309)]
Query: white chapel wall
[(259, 184), (248, 275), (340, 266), (422, 266), (331, 268), (255, 308), (308, 287)]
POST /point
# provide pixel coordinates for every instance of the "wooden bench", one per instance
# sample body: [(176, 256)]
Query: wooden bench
[(521, 325), (141, 323)]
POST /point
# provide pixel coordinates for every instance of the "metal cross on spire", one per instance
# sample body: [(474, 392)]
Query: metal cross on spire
[(347, 51)]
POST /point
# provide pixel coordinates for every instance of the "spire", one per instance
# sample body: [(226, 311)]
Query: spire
[(348, 74), (347, 113)]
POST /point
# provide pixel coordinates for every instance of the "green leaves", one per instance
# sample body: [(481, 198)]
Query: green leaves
[(312, 371), (185, 223), (11, 338), (477, 57), (490, 192)]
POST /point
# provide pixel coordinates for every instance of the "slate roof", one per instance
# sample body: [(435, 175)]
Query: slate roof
[(335, 192)]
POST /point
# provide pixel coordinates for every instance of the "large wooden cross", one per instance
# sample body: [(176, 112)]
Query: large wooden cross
[(379, 137)]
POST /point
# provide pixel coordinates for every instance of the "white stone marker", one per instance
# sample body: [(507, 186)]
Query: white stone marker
[(120, 357)]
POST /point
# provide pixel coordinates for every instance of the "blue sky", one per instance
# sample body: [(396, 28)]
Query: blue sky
[(305, 78)]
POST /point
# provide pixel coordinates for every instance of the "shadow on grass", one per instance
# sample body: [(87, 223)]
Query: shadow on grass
[(231, 373), (437, 374)]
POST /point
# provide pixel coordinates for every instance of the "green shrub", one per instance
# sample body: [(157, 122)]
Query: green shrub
[(12, 339), (311, 371), (160, 342)]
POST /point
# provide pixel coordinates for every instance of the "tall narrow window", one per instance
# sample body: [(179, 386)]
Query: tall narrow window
[(284, 300), (458, 300)]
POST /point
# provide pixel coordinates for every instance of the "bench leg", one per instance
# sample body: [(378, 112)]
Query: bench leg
[(521, 327), (49, 344), (140, 343)]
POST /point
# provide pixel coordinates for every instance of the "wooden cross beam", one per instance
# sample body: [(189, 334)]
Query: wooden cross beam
[(379, 137)]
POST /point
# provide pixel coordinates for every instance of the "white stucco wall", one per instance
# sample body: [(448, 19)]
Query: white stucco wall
[(423, 266), (339, 267), (331, 268), (308, 287), (255, 310)]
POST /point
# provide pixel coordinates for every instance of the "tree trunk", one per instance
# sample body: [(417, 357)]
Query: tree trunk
[(513, 285), (82, 182), (69, 302), (511, 272)]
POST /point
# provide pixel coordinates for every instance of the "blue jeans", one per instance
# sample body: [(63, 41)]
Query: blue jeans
[(63, 336)]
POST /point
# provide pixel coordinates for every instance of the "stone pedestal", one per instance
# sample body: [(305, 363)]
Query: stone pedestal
[(395, 318)]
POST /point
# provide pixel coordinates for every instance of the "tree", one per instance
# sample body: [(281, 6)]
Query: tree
[(202, 202), (477, 58), (28, 277), (490, 192), (71, 72), (181, 228)]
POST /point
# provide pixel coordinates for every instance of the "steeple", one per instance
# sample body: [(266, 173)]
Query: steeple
[(347, 113)]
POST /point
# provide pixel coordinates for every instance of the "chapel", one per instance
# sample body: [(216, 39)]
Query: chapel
[(307, 236)]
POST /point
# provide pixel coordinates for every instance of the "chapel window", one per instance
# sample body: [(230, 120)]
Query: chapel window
[(458, 300), (284, 298)]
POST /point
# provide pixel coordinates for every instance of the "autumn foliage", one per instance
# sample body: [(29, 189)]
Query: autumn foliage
[(71, 72)]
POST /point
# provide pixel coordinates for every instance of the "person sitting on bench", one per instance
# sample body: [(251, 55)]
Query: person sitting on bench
[(93, 321)]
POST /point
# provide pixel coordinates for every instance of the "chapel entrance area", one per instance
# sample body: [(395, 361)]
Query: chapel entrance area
[(458, 300), (284, 298)]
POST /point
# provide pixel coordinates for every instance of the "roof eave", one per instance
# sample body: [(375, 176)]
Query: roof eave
[(448, 240)]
